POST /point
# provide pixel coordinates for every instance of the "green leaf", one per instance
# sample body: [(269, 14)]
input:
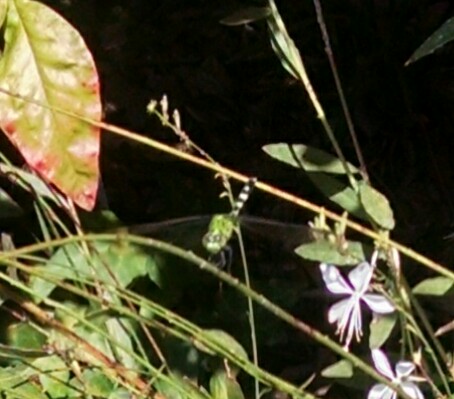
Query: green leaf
[(444, 34), (46, 59), (377, 206), (283, 45), (3, 7), (340, 193), (116, 263), (340, 369), (309, 158), (117, 330), (226, 341), (380, 329), (29, 390), (31, 183), (437, 286), (96, 383), (223, 386), (325, 252), (23, 335), (54, 376), (314, 162), (122, 393), (176, 387), (14, 375), (246, 15)]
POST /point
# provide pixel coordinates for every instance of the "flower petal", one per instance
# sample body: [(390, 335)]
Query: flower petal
[(360, 277), (340, 310), (412, 390), (381, 391), (355, 325), (334, 280), (378, 303), (404, 369), (382, 364)]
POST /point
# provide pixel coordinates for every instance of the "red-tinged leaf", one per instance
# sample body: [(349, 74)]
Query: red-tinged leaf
[(45, 59), (3, 5)]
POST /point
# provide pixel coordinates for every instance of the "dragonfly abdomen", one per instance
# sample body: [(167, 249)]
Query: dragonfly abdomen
[(243, 196)]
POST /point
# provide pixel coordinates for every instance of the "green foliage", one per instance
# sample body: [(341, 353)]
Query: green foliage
[(112, 315), (443, 35)]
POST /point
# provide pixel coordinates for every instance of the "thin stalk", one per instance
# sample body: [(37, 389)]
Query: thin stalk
[(340, 91), (235, 283), (274, 191), (250, 304)]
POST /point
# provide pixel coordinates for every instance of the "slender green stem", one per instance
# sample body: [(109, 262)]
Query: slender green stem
[(340, 91), (250, 304), (235, 283)]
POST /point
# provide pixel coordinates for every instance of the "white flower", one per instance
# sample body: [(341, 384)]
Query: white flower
[(347, 312), (400, 377)]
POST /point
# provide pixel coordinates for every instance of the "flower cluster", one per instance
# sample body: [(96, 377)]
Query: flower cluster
[(401, 377), (346, 314)]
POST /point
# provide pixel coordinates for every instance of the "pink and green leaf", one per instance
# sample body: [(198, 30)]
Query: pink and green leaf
[(46, 60)]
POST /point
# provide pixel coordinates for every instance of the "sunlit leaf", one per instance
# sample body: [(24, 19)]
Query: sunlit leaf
[(23, 335), (246, 15), (309, 158), (437, 286), (444, 34), (46, 59), (96, 383), (177, 387), (3, 7), (54, 376), (377, 206), (283, 45), (380, 329), (340, 193), (325, 252), (14, 376), (28, 389), (224, 340), (117, 329), (340, 369), (123, 393), (31, 182), (223, 386), (117, 263)]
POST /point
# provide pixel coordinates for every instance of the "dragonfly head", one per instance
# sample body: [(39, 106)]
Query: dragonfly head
[(213, 242)]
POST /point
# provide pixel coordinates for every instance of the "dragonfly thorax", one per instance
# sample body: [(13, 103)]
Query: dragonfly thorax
[(219, 233)]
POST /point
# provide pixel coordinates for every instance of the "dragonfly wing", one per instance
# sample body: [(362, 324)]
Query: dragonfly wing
[(186, 232), (287, 235)]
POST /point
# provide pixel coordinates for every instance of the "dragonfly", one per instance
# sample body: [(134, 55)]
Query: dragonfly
[(265, 236), (222, 226), (211, 234)]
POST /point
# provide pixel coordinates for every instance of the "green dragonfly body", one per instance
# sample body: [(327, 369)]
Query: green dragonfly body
[(222, 226), (220, 231)]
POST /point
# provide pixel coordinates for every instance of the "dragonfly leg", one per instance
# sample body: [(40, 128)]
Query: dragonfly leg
[(223, 259), (227, 257)]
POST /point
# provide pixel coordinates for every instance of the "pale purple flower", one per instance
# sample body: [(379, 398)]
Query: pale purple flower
[(347, 312), (401, 377)]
